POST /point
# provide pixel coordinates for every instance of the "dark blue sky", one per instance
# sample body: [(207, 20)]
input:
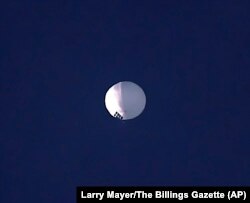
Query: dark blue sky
[(58, 58)]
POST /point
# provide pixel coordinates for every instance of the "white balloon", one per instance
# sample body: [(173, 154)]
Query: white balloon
[(125, 100)]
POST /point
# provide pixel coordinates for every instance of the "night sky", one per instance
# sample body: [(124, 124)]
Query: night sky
[(58, 59)]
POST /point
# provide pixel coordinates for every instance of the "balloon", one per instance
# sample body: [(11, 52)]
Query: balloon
[(125, 100)]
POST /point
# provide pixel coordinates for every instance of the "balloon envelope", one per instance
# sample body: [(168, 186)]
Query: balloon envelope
[(125, 100)]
